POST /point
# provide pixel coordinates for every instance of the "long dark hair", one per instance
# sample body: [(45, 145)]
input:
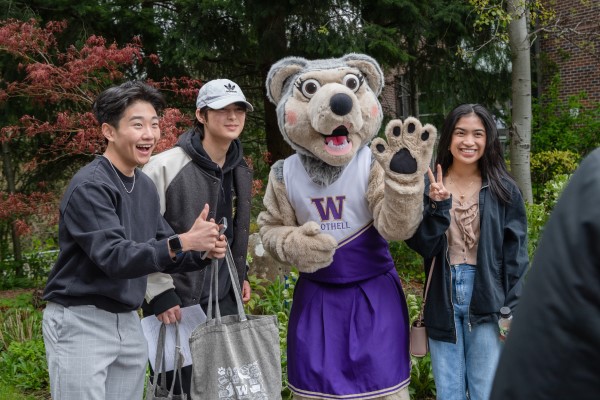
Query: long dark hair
[(491, 164)]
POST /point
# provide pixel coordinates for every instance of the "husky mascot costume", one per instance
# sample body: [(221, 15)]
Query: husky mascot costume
[(330, 210)]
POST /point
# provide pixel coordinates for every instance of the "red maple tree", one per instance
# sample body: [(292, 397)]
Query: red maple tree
[(58, 88)]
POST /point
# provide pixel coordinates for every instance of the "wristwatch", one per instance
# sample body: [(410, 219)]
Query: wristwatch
[(175, 245)]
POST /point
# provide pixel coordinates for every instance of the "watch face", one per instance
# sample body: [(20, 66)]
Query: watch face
[(175, 244)]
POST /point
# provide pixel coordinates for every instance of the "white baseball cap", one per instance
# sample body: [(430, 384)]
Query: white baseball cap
[(220, 93)]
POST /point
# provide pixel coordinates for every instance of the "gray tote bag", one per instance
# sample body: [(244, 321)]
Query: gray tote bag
[(235, 357)]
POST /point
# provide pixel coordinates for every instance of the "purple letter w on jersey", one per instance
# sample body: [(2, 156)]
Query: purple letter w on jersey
[(330, 208)]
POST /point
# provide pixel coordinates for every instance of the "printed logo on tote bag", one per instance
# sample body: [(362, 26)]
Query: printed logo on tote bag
[(243, 383)]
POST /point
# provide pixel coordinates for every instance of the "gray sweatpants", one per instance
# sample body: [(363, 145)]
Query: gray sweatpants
[(94, 354)]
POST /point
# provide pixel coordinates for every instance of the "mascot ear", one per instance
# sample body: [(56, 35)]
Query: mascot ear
[(369, 68), (279, 74)]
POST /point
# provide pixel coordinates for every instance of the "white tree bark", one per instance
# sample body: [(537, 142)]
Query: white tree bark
[(520, 132)]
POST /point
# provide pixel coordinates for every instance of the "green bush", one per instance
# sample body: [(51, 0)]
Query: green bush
[(409, 263), (275, 298), (22, 352), (553, 189), (538, 213), (12, 393), (572, 125), (546, 165), (536, 219), (31, 271), (19, 325), (21, 300), (23, 365), (422, 385)]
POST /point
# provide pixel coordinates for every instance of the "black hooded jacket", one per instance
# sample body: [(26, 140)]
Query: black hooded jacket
[(502, 260), (186, 179)]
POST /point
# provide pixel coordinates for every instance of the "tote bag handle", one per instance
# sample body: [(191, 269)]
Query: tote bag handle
[(229, 263), (160, 374)]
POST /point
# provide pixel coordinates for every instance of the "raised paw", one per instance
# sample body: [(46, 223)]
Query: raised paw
[(408, 149)]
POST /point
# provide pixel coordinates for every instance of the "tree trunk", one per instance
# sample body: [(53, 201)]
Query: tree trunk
[(276, 144), (10, 182), (520, 132), (271, 30)]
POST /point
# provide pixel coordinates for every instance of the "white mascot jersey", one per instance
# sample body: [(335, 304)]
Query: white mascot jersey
[(340, 208)]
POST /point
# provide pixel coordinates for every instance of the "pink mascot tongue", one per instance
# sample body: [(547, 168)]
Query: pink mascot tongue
[(336, 140), (337, 145)]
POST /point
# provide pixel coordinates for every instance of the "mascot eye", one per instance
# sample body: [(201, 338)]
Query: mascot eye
[(309, 87), (352, 82)]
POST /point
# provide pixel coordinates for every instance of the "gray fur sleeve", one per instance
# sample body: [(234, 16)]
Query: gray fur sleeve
[(277, 170)]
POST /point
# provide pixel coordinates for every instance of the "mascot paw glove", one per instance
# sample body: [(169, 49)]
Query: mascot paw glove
[(407, 154), (308, 248)]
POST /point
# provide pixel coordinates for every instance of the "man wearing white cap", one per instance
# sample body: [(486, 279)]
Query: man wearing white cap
[(205, 166)]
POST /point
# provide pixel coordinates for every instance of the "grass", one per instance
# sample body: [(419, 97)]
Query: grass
[(10, 393), (20, 322)]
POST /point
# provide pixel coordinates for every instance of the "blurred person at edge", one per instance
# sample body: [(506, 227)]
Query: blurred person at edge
[(475, 225), (553, 349)]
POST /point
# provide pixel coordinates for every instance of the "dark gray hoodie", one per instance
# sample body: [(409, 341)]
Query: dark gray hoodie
[(186, 179)]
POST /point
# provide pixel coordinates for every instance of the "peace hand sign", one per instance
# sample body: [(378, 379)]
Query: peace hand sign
[(437, 191)]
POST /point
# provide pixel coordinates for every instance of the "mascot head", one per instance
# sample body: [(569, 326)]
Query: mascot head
[(327, 109)]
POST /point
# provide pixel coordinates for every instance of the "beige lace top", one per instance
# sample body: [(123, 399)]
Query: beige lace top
[(463, 234)]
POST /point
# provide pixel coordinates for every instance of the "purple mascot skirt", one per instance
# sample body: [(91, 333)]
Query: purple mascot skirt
[(349, 340)]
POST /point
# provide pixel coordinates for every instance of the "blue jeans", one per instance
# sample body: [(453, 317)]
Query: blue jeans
[(469, 364)]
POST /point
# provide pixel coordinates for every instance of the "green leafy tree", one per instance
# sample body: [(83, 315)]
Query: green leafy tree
[(416, 41), (558, 127), (507, 22), (518, 23), (423, 40), (241, 40)]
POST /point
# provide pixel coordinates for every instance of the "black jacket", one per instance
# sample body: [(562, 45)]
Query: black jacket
[(501, 260), (109, 241), (553, 347)]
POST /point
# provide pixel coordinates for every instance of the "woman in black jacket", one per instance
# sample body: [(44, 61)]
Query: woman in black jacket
[(474, 230)]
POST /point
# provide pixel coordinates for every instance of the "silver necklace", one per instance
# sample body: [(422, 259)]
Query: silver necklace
[(118, 176)]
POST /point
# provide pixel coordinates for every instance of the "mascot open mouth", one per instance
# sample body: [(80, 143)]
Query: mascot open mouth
[(337, 143)]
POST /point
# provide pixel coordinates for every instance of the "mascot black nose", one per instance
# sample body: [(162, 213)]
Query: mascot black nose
[(340, 104)]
